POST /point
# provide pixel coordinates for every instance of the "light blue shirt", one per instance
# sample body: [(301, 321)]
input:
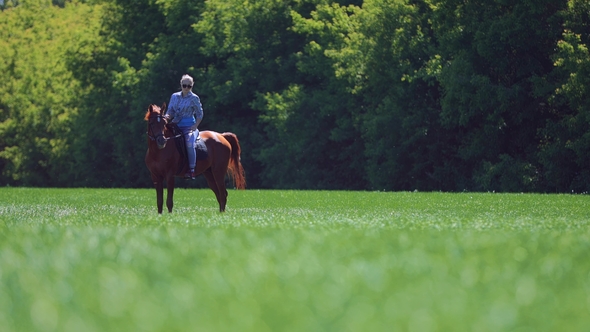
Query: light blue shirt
[(184, 111)]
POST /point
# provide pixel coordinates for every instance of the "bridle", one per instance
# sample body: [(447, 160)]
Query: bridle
[(150, 132)]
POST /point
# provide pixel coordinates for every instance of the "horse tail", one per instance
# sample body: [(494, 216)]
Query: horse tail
[(235, 169)]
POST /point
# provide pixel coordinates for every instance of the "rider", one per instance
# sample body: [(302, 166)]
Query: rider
[(185, 110)]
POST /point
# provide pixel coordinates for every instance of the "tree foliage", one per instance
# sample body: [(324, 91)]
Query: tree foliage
[(38, 95), (365, 95)]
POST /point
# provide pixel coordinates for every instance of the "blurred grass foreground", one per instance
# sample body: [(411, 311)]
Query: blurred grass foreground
[(103, 260)]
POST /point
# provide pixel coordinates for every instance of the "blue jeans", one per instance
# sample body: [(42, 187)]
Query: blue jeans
[(189, 138)]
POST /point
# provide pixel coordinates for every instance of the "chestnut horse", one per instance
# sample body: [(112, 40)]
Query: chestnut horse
[(164, 160)]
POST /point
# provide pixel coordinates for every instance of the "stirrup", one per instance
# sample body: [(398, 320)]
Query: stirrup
[(190, 175)]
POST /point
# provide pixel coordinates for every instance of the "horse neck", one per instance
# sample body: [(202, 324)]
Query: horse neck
[(169, 151)]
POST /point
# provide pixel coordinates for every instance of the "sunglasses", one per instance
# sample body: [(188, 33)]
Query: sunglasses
[(184, 86)]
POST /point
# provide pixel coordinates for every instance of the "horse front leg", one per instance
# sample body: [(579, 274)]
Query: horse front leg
[(170, 193), (159, 195)]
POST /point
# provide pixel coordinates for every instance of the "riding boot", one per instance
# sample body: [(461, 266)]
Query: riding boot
[(190, 175)]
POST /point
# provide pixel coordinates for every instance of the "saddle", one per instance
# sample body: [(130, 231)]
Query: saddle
[(179, 142)]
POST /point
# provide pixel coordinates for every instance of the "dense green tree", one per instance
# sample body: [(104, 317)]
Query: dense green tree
[(497, 58), (406, 147), (252, 52), (375, 94), (38, 97), (108, 135), (313, 123), (565, 139)]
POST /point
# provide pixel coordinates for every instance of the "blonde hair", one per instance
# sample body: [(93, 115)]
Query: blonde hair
[(186, 77)]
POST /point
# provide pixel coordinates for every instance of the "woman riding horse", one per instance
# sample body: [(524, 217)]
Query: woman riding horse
[(186, 111), (165, 161)]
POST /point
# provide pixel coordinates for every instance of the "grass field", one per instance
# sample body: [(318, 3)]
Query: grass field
[(103, 260)]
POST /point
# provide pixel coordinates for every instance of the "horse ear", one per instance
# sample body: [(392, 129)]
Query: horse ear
[(164, 109), (151, 109)]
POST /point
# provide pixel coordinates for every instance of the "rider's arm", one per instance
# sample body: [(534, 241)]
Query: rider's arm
[(171, 112), (197, 112)]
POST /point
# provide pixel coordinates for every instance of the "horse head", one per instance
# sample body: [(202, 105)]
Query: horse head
[(157, 125)]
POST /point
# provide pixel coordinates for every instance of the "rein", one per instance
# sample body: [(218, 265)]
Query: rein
[(150, 133)]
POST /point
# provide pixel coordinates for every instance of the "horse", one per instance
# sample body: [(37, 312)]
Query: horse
[(165, 162)]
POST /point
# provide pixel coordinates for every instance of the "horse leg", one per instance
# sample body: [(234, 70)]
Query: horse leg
[(219, 176), (219, 190), (159, 194), (211, 183), (170, 193)]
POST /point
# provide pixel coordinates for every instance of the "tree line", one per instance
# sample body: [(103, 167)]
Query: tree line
[(451, 95)]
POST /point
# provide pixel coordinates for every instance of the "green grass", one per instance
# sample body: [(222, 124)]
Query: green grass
[(103, 260)]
